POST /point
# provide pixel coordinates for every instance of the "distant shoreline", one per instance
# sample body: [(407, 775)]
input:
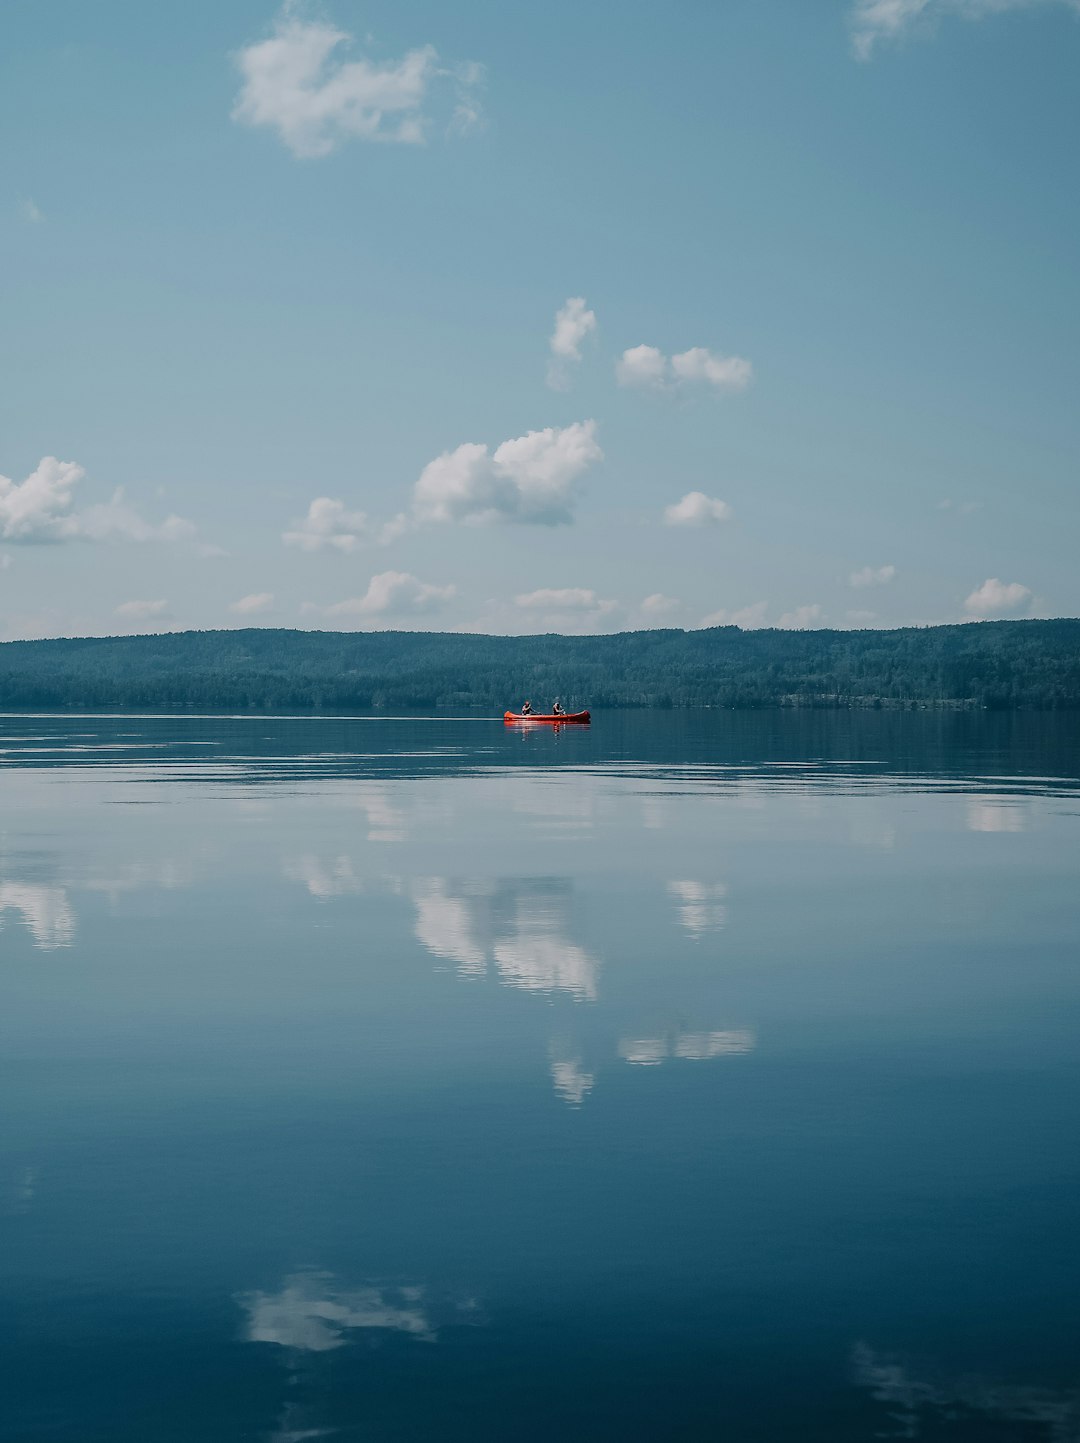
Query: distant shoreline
[(969, 666)]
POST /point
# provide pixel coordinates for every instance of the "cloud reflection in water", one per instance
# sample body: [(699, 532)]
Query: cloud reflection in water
[(918, 1406), (312, 1313), (570, 1080), (995, 814), (519, 926), (701, 905), (45, 911), (689, 1046)]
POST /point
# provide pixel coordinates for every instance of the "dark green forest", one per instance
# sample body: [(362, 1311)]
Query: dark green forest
[(996, 664)]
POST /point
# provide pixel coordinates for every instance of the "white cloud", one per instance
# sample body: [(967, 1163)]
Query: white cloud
[(253, 604), (750, 618), (391, 593), (568, 598), (801, 618), (658, 605), (726, 373), (861, 618), (297, 83), (641, 366), (5, 561), (573, 322), (697, 509), (882, 20), (141, 610), (328, 523), (872, 576), (529, 479), (961, 508), (31, 212), (117, 521), (996, 598), (41, 509), (567, 609), (647, 366)]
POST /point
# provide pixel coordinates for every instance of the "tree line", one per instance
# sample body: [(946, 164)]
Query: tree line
[(998, 665)]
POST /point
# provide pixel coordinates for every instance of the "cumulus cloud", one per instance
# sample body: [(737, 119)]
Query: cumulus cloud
[(658, 605), (41, 509), (31, 212), (253, 604), (573, 322), (873, 21), (328, 523), (861, 618), (649, 367), (641, 366), (391, 593), (117, 521), (141, 610), (571, 608), (697, 509), (801, 618), (568, 598), (298, 83), (872, 576), (726, 373), (996, 598), (750, 618), (530, 479)]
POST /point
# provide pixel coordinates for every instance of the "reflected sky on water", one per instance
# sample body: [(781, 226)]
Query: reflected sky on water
[(687, 1076)]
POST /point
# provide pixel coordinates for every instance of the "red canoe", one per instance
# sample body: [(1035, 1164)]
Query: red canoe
[(576, 718)]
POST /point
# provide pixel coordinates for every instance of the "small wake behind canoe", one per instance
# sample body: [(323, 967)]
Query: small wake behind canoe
[(570, 718)]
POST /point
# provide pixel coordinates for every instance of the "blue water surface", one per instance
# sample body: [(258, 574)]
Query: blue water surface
[(689, 1076)]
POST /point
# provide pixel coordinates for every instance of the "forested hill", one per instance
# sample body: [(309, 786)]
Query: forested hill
[(981, 664)]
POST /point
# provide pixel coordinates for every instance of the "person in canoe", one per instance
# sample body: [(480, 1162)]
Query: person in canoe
[(557, 708), (526, 709)]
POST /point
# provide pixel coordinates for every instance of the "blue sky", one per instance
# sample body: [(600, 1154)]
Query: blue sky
[(280, 288)]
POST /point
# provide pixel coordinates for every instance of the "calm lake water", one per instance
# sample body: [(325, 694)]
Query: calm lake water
[(688, 1077)]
